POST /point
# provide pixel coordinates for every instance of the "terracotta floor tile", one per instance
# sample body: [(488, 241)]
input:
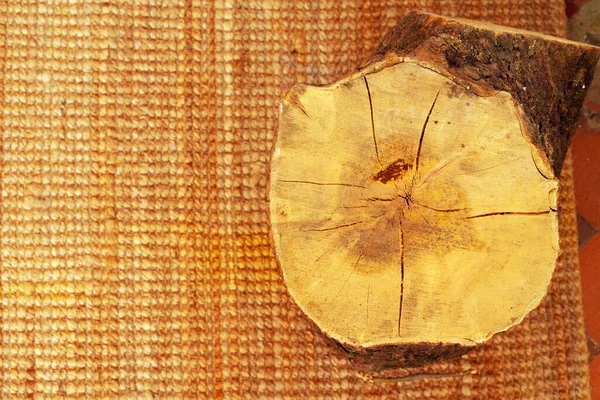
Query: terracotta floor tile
[(585, 230), (589, 257), (573, 6), (584, 26), (595, 378), (586, 161)]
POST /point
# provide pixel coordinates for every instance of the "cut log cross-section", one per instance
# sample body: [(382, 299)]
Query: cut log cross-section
[(414, 204)]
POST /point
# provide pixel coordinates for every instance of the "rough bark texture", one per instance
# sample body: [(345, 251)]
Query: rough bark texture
[(548, 78), (379, 358)]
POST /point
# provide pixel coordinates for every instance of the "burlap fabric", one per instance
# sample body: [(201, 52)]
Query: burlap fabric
[(135, 256)]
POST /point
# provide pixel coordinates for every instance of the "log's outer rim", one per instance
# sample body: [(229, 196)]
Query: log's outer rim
[(547, 76)]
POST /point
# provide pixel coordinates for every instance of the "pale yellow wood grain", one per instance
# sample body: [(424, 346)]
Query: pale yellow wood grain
[(454, 248)]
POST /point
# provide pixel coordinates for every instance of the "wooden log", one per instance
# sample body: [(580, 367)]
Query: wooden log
[(414, 203)]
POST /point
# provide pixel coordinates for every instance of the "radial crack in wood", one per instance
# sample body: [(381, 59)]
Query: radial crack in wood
[(413, 212)]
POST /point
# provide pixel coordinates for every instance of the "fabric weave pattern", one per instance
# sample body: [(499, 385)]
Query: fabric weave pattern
[(135, 258)]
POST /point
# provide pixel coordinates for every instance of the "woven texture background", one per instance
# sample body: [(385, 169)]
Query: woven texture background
[(135, 256)]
